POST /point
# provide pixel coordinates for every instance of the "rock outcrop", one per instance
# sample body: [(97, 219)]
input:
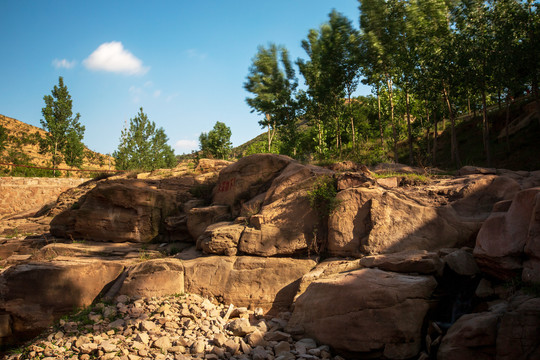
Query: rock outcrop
[(367, 312)]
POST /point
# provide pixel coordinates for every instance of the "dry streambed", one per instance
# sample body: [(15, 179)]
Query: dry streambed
[(172, 327)]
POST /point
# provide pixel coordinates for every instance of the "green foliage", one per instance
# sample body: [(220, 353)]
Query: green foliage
[(217, 142), (322, 197), (64, 138), (3, 138), (143, 147)]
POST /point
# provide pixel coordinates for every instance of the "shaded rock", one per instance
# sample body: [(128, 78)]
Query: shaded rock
[(158, 277), (501, 241), (286, 222), (376, 221), (117, 211), (198, 219), (469, 170), (381, 314), (221, 238), (353, 179), (269, 283), (247, 177), (412, 261), (462, 262), (37, 294)]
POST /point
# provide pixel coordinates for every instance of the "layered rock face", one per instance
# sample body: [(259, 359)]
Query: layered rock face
[(385, 275)]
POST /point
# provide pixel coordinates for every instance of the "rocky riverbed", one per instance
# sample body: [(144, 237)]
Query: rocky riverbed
[(181, 326)]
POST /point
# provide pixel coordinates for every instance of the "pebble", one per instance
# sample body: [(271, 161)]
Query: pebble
[(172, 328)]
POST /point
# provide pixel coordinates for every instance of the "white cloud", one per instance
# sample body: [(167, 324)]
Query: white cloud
[(186, 146), (157, 93), (63, 64), (112, 57), (195, 54)]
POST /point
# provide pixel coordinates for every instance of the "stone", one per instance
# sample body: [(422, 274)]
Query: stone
[(373, 221), (281, 348), (240, 327), (143, 338), (412, 261), (156, 277), (5, 325), (347, 180), (269, 283), (247, 178), (501, 242), (220, 339), (286, 222), (198, 219), (382, 312), (37, 294), (117, 211), (462, 262), (163, 343), (221, 238), (256, 338)]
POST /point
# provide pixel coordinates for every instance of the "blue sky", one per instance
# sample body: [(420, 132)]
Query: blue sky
[(184, 62)]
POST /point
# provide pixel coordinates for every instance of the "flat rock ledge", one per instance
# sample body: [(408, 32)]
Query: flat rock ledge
[(174, 327)]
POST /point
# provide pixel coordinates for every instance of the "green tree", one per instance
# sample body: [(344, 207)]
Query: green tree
[(272, 81), (217, 142), (3, 138), (64, 132), (143, 147)]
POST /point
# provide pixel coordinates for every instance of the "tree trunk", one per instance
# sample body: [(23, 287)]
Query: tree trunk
[(352, 122), (454, 145), (506, 123), (428, 130), (485, 128), (409, 126), (435, 134), (380, 120), (394, 131)]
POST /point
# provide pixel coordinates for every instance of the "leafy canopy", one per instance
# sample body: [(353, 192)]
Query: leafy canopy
[(143, 147), (217, 142), (64, 132)]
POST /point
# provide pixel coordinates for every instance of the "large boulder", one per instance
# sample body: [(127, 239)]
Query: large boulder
[(286, 223), (505, 236), (199, 218), (412, 261), (507, 331), (117, 211), (158, 277), (366, 313), (37, 294), (247, 177), (269, 283), (221, 238), (372, 221)]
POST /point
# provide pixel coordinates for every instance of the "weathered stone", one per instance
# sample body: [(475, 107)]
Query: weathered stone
[(501, 241), (200, 218), (247, 177), (269, 283), (353, 179), (371, 221), (157, 277), (462, 262), (382, 312), (35, 295), (221, 238), (117, 211), (240, 327), (163, 343), (412, 261)]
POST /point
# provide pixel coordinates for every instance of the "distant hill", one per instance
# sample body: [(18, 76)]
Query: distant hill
[(22, 148)]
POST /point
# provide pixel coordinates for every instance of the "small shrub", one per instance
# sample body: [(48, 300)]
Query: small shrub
[(322, 197)]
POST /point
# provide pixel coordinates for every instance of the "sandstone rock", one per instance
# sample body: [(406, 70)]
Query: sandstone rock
[(412, 261), (158, 277), (389, 182), (353, 179), (518, 335), (240, 327), (501, 241), (117, 212), (212, 165), (200, 218), (375, 221), (462, 262), (469, 170), (221, 238), (481, 192), (381, 313), (37, 294), (324, 269), (247, 178), (269, 283), (472, 336)]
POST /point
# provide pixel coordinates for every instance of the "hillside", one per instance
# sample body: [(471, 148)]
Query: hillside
[(22, 148)]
